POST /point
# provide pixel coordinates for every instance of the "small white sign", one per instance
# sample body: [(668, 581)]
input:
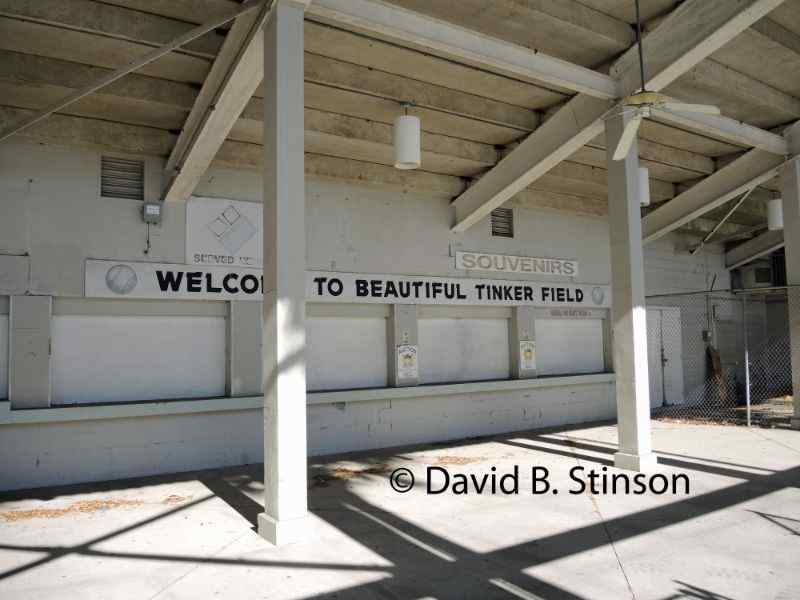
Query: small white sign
[(223, 232), (116, 279), (527, 355), (481, 261), (407, 362), (574, 313)]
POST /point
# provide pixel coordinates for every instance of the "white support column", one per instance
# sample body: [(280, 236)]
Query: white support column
[(245, 361), (29, 330), (285, 516), (628, 311), (790, 184)]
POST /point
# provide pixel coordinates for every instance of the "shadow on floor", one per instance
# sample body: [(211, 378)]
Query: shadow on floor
[(420, 563)]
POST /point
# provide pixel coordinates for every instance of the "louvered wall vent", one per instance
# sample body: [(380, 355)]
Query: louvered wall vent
[(121, 178), (503, 222)]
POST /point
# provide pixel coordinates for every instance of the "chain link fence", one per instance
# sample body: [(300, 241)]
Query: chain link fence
[(722, 356)]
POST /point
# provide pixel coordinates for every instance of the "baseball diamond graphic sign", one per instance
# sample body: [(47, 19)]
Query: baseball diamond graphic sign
[(222, 232)]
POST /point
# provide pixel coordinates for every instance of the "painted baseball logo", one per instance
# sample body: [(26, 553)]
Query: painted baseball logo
[(121, 279)]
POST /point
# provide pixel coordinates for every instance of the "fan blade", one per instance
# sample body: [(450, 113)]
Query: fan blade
[(610, 112), (706, 109), (627, 138)]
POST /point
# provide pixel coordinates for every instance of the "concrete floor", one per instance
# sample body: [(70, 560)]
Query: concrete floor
[(736, 536)]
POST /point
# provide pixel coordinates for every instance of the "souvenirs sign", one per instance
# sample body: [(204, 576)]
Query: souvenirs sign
[(481, 261)]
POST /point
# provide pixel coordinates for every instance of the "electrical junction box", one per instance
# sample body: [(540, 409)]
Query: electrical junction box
[(151, 212)]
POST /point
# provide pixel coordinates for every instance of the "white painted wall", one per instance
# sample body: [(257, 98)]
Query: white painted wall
[(364, 230), (345, 353), (368, 425), (123, 359), (52, 211), (59, 453), (669, 268), (3, 357)]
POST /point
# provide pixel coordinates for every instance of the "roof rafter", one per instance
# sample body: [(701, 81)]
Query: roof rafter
[(759, 246), (749, 170), (746, 172), (134, 65), (463, 44), (684, 38), (236, 73)]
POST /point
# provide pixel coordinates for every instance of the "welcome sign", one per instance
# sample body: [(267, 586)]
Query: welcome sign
[(325, 286), (117, 279)]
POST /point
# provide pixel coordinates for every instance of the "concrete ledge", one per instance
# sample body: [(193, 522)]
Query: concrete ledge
[(89, 412), (450, 389)]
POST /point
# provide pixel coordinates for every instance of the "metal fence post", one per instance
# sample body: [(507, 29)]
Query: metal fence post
[(746, 357)]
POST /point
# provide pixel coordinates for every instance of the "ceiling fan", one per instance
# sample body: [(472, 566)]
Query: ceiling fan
[(643, 102)]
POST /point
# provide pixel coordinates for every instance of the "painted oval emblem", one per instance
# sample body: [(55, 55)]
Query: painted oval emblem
[(598, 295), (121, 279)]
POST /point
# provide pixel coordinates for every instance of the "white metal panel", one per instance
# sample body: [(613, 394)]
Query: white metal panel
[(672, 340), (463, 350), (569, 346), (665, 355), (118, 359), (3, 357), (655, 367), (346, 353)]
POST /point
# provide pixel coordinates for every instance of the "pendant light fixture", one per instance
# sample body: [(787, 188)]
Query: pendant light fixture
[(775, 214), (644, 186), (407, 154)]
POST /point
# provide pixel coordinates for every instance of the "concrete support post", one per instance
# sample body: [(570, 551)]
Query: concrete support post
[(629, 315), (244, 349), (403, 345), (790, 189), (285, 516), (29, 351), (523, 343)]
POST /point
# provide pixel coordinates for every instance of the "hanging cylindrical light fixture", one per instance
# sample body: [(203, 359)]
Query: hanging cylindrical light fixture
[(644, 186), (407, 140), (775, 214)]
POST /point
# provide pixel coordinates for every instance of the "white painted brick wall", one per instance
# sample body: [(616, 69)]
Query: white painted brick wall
[(51, 209)]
